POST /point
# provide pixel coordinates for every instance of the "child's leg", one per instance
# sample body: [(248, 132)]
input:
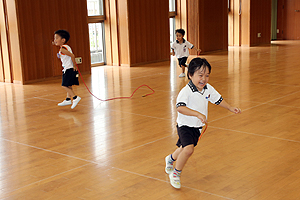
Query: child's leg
[(170, 159), (176, 153), (69, 91), (183, 68), (70, 94), (181, 155)]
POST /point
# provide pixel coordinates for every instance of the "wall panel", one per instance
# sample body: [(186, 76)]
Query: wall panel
[(36, 29), (280, 19), (148, 25), (123, 33), (14, 42), (260, 22), (291, 19), (6, 70), (207, 24)]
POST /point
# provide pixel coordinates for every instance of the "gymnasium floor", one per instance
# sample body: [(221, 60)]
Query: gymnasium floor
[(116, 149)]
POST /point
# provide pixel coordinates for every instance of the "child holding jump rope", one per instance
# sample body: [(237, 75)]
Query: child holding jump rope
[(192, 108), (70, 72)]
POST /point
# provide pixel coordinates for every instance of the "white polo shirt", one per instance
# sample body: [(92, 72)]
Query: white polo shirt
[(66, 61), (192, 98), (181, 50)]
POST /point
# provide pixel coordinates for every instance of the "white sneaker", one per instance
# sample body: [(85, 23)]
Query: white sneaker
[(169, 166), (65, 103), (75, 102), (182, 75), (175, 180)]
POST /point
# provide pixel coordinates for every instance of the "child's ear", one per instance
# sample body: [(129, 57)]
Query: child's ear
[(63, 40)]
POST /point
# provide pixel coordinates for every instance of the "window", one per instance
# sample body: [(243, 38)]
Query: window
[(96, 42), (95, 7), (96, 19), (172, 29), (172, 14), (172, 6)]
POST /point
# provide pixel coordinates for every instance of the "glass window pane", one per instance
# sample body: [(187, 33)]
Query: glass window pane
[(172, 30), (171, 5), (95, 7), (96, 42)]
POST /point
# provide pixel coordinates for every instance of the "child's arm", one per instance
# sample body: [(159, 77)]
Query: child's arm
[(198, 50), (235, 110), (68, 53), (173, 52), (187, 111)]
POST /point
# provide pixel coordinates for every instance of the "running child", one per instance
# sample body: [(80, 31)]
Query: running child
[(180, 49), (192, 108), (70, 72)]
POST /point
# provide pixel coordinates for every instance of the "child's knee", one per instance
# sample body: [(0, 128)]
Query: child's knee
[(189, 150)]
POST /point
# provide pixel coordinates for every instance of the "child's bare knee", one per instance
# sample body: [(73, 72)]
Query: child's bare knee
[(189, 150)]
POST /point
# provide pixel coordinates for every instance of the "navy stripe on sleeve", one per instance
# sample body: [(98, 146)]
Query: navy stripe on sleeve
[(180, 104), (219, 101)]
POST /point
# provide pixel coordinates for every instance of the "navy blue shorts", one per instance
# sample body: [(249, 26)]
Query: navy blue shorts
[(188, 135), (69, 78), (182, 61)]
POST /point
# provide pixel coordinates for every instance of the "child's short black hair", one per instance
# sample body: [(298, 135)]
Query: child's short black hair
[(196, 64), (63, 34), (180, 31)]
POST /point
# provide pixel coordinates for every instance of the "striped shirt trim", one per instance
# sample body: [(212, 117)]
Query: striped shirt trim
[(180, 104), (219, 101)]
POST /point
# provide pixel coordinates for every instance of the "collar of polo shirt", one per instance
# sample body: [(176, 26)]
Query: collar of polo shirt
[(182, 40), (195, 89)]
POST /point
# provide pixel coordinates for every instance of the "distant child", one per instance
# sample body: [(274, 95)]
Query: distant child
[(180, 49), (70, 72), (192, 108)]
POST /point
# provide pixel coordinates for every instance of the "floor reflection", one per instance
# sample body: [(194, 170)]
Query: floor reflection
[(108, 82)]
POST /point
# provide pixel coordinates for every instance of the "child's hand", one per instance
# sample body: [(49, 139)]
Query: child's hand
[(75, 68), (198, 51), (202, 118), (235, 110)]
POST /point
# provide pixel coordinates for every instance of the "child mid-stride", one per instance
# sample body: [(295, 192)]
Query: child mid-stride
[(70, 73), (192, 108), (180, 49)]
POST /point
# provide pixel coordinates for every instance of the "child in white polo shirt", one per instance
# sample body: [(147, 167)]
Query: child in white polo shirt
[(180, 48), (70, 72), (192, 107)]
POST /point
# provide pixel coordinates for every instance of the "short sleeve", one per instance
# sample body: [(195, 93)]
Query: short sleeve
[(214, 96), (182, 98), (173, 45), (189, 45)]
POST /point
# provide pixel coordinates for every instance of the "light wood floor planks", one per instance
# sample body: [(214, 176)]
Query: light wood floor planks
[(116, 149)]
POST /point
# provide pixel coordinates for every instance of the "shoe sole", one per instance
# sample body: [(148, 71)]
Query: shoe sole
[(174, 185), (64, 104), (168, 172)]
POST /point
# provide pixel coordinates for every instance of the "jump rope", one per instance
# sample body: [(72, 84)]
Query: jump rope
[(114, 98), (206, 125)]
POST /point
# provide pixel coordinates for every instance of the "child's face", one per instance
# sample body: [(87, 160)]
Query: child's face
[(179, 37), (200, 78), (58, 41)]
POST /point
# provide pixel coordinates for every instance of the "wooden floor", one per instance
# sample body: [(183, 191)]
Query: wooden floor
[(116, 149)]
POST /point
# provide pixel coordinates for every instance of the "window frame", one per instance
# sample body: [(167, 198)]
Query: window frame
[(172, 14), (98, 19)]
